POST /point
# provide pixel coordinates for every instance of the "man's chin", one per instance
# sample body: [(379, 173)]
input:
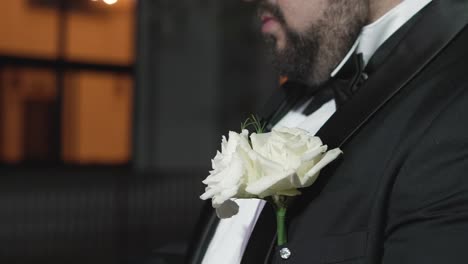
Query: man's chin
[(275, 46)]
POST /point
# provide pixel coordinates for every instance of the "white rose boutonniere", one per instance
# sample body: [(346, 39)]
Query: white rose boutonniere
[(271, 166)]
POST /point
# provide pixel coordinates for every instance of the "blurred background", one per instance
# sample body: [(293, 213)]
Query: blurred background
[(110, 112)]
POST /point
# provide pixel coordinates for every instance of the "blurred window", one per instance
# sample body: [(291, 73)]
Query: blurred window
[(66, 81), (97, 117)]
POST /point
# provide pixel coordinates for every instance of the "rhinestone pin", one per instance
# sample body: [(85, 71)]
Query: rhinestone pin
[(285, 253)]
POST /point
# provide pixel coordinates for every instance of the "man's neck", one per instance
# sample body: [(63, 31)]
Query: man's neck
[(378, 8)]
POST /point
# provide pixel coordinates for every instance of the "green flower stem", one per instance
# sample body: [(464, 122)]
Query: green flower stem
[(281, 225)]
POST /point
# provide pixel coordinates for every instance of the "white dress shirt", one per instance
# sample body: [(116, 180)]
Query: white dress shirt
[(231, 236)]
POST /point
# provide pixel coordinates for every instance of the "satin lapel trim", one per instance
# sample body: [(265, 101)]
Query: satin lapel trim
[(204, 239), (440, 24)]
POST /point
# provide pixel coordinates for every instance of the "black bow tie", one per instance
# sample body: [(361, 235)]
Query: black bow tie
[(348, 80), (340, 87)]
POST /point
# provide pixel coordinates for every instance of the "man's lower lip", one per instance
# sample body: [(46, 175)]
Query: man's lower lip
[(268, 24)]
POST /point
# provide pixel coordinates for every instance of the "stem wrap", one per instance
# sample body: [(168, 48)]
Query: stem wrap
[(281, 225)]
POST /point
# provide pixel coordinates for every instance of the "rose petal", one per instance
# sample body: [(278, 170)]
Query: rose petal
[(222, 195), (312, 154), (259, 140), (290, 192), (310, 177), (290, 131), (269, 185), (209, 193)]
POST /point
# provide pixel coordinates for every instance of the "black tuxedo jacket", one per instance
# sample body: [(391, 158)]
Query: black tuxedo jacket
[(399, 193)]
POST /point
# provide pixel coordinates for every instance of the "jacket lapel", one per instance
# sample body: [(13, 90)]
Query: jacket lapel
[(440, 22)]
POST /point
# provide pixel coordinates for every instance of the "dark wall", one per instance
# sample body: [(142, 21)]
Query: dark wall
[(201, 70), (94, 215)]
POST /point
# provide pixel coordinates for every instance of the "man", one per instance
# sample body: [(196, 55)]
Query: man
[(396, 72)]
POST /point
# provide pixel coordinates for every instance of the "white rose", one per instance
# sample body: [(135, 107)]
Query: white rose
[(228, 178), (277, 163), (287, 159)]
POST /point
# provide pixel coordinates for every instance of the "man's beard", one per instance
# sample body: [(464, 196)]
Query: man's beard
[(310, 57)]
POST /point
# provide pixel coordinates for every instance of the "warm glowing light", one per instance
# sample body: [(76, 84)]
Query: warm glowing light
[(110, 2)]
